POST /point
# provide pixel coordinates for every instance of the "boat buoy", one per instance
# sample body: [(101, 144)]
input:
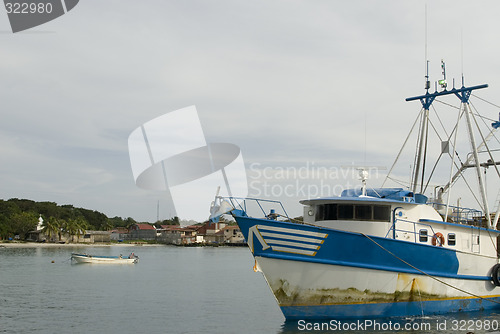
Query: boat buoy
[(440, 237), (495, 273)]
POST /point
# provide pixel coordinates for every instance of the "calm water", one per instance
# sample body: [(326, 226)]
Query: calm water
[(171, 290)]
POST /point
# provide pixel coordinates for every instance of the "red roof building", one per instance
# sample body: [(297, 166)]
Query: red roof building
[(143, 231)]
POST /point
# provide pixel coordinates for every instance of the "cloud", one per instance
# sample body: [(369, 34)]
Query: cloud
[(286, 81)]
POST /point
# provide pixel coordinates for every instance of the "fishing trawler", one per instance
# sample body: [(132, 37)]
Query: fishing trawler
[(387, 251)]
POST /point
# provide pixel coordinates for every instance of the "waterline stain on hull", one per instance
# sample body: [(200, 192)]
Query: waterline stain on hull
[(395, 309), (311, 290)]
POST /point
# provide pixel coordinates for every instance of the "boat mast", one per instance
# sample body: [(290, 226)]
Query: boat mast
[(423, 136), (422, 142), (482, 188), (463, 94)]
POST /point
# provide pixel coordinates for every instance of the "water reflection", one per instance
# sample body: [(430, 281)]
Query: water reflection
[(470, 322), (177, 289)]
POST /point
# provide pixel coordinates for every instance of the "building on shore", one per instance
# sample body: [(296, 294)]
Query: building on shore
[(119, 234), (205, 234), (88, 237), (142, 231), (209, 232), (232, 235)]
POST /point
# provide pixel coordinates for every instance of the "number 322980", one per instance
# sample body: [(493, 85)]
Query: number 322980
[(28, 8)]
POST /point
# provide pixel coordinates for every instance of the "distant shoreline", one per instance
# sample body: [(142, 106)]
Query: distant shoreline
[(10, 244), (20, 244)]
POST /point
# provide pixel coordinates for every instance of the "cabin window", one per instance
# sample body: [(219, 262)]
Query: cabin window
[(363, 212), (345, 211), (368, 212), (423, 236), (382, 213), (320, 212), (452, 239), (330, 211)]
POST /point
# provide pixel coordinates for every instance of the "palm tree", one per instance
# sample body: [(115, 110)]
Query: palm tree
[(76, 226), (62, 227), (107, 226), (50, 227), (71, 227)]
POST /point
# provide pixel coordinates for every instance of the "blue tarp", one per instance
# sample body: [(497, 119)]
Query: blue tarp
[(388, 193)]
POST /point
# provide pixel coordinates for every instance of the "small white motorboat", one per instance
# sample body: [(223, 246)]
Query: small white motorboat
[(87, 258)]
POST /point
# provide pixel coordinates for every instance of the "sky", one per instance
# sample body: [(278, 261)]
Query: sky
[(311, 86)]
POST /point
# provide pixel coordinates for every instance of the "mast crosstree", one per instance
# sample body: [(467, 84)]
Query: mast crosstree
[(463, 95)]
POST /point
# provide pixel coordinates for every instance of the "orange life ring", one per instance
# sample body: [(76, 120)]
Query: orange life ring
[(441, 239)]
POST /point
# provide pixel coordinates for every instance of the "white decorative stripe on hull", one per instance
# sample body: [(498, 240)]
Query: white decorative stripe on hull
[(290, 237), (293, 244), (292, 231), (278, 239)]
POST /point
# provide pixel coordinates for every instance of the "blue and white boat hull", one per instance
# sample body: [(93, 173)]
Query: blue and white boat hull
[(316, 272), (383, 252)]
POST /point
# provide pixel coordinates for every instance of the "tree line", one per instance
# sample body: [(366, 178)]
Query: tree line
[(20, 216)]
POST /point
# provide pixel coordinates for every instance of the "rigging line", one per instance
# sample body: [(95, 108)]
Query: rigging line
[(481, 181), (425, 152), (461, 173), (432, 172), (457, 155), (440, 155), (496, 168), (485, 145), (458, 168), (402, 183), (479, 115), (437, 161), (436, 132), (485, 101), (440, 122), (451, 166), (428, 275), (418, 152), (470, 188), (492, 131), (401, 150), (376, 192), (484, 117), (462, 176), (447, 104), (452, 181)]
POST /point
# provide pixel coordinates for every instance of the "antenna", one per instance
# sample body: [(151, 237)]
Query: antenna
[(427, 82), (365, 142), (158, 211), (462, 52)]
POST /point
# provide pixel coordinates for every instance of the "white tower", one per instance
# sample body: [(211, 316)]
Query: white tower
[(40, 222)]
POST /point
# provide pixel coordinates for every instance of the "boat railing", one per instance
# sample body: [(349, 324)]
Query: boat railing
[(270, 209), (460, 215), (417, 226)]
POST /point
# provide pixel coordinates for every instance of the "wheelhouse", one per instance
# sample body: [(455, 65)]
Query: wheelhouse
[(351, 211)]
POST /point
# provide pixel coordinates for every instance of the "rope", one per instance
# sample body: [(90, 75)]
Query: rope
[(485, 100), (426, 274)]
